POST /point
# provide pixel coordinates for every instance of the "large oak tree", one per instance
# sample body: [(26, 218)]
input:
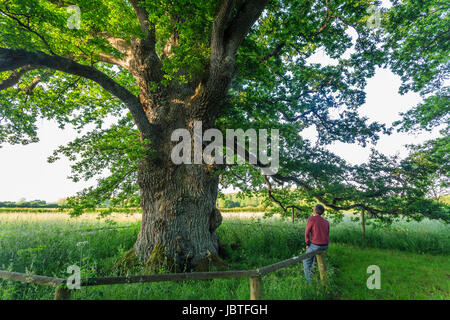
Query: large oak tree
[(157, 66)]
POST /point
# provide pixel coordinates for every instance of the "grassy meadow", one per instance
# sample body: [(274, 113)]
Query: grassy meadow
[(413, 258)]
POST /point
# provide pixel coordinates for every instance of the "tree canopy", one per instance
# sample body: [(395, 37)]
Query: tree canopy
[(418, 46), (82, 76)]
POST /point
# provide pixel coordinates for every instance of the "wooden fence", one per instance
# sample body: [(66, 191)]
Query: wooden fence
[(62, 293)]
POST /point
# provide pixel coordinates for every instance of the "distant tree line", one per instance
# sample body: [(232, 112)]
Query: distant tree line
[(28, 204), (235, 200)]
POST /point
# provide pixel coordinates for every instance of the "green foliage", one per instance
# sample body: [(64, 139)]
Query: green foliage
[(433, 157), (117, 149), (242, 209), (276, 86), (418, 47), (432, 113), (28, 204), (239, 200), (101, 211), (417, 41), (230, 204), (419, 51)]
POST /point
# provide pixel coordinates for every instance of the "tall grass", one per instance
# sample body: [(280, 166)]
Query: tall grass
[(424, 237), (46, 244)]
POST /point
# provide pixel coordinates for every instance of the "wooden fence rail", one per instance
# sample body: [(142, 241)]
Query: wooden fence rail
[(287, 262), (62, 293), (29, 278), (169, 277)]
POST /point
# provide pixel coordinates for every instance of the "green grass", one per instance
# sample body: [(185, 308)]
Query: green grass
[(419, 237), (46, 244), (404, 275)]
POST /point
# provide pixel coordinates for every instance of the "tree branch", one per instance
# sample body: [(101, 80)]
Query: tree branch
[(271, 196), (333, 203), (290, 179), (281, 45), (242, 23), (219, 25), (149, 43), (112, 60), (29, 89), (226, 35), (15, 77), (327, 19), (117, 43), (11, 59), (146, 26), (28, 28), (294, 119), (273, 53)]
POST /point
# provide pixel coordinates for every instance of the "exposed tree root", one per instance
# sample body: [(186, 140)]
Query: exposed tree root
[(127, 263), (209, 262), (159, 261)]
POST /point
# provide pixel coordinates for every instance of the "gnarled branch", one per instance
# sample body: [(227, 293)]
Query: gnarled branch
[(142, 16), (333, 204), (117, 43), (219, 26), (11, 59), (242, 23), (15, 77)]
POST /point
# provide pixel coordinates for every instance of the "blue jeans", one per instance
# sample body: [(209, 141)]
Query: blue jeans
[(308, 263)]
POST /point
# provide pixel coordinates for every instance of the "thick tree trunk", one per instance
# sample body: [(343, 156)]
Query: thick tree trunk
[(179, 218), (179, 214)]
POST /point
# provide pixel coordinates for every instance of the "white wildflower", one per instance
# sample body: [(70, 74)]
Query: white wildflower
[(79, 244)]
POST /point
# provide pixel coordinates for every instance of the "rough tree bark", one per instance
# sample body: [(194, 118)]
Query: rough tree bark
[(180, 217)]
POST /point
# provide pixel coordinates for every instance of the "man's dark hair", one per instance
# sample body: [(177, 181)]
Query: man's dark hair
[(319, 209)]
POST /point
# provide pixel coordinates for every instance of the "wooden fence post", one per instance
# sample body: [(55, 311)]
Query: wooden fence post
[(62, 294), (363, 223), (255, 288), (322, 270)]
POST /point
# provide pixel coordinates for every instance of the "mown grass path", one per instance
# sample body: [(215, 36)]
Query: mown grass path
[(404, 275)]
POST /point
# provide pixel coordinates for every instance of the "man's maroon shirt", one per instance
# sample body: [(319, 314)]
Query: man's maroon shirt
[(319, 229)]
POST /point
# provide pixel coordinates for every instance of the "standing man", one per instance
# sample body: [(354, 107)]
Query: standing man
[(316, 236)]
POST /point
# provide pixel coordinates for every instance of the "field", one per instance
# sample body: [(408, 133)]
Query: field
[(413, 258)]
